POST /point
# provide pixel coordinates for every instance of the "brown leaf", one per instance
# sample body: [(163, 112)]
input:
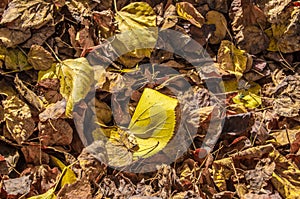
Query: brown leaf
[(55, 132), (104, 21), (252, 39), (40, 58), (18, 119), (33, 14), (49, 88), (188, 12), (53, 111), (43, 178), (81, 189), (34, 155), (244, 13), (28, 94), (11, 38)]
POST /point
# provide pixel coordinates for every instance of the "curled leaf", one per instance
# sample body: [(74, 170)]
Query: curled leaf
[(218, 19), (188, 12)]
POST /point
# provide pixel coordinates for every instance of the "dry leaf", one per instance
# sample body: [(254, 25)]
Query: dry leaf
[(18, 119), (188, 12), (233, 60), (217, 19), (40, 58)]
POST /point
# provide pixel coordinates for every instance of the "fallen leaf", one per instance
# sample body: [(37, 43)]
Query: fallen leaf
[(76, 77), (47, 195), (40, 58), (232, 59), (137, 24), (14, 59), (12, 38), (153, 122), (81, 189), (53, 111), (188, 12), (68, 176), (17, 187), (55, 132), (217, 19), (33, 14), (28, 94), (18, 119), (34, 155)]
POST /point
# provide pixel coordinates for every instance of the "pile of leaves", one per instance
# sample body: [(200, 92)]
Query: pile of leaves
[(84, 115)]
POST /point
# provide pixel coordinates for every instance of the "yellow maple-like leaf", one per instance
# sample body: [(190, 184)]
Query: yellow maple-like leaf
[(232, 59), (153, 122)]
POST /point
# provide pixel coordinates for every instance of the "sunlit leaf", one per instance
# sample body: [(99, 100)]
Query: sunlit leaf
[(188, 12), (76, 77), (69, 176), (136, 22), (232, 59), (153, 122), (47, 195)]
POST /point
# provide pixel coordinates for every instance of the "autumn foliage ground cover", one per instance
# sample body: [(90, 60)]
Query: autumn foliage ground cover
[(149, 99)]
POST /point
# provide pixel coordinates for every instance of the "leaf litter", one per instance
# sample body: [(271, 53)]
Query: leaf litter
[(45, 82)]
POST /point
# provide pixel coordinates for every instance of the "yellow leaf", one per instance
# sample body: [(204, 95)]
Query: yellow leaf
[(188, 12), (232, 59), (153, 122), (47, 195), (14, 59), (250, 97), (76, 77), (218, 19), (69, 176), (50, 73), (137, 24)]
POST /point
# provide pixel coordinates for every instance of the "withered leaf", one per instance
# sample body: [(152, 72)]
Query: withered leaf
[(14, 59), (40, 58), (17, 186), (11, 38), (188, 12), (28, 94), (18, 119), (55, 132), (218, 19), (34, 155), (33, 14), (53, 111)]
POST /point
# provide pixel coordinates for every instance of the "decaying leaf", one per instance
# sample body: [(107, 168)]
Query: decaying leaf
[(233, 60), (14, 59), (120, 148), (17, 187), (33, 14), (252, 39), (11, 38), (28, 94), (153, 122), (137, 24), (18, 119), (34, 155), (188, 12), (53, 111), (283, 34), (40, 58), (170, 18), (78, 190), (55, 132), (218, 19), (76, 77)]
